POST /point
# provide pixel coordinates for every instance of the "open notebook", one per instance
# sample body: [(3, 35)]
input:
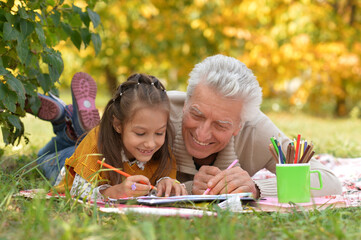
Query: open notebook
[(153, 200)]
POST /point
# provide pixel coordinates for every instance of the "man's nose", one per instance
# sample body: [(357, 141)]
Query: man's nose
[(203, 131)]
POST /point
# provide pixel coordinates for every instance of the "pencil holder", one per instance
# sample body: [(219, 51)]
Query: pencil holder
[(293, 182)]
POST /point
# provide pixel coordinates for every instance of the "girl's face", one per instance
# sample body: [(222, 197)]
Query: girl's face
[(145, 133)]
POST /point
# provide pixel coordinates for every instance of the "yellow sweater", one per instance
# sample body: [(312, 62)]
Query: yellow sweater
[(84, 163)]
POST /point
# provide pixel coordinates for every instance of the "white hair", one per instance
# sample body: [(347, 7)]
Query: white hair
[(232, 79)]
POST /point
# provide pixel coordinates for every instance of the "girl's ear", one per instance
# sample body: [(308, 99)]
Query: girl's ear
[(117, 125)]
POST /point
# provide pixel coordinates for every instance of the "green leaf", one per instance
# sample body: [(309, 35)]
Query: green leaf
[(9, 32), (9, 62), (77, 9), (67, 29), (44, 81), (15, 121), (3, 91), (30, 88), (76, 39), (22, 48), (56, 18), (10, 3), (85, 35), (3, 71), (22, 13), (11, 18), (50, 2), (55, 63), (26, 27), (94, 17), (40, 32), (83, 15), (97, 42), (6, 133), (34, 103), (16, 85), (10, 100)]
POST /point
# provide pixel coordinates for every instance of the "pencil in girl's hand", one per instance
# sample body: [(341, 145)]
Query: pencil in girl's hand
[(120, 172)]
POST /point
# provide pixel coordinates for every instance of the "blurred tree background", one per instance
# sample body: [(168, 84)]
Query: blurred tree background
[(305, 53)]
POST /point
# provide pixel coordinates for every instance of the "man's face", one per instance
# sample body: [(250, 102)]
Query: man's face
[(209, 121)]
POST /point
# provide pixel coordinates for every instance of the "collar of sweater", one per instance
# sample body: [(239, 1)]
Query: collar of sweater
[(131, 163)]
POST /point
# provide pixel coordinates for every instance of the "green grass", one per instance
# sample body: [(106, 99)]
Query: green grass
[(63, 219)]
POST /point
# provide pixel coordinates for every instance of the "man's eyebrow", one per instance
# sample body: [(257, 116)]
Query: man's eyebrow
[(219, 121), (197, 110), (225, 122)]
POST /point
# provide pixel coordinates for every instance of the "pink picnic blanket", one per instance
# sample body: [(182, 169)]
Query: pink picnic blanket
[(348, 170)]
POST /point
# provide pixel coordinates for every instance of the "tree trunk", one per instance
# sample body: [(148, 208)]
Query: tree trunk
[(341, 110), (111, 80)]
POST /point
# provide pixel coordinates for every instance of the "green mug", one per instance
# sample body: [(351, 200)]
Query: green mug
[(293, 182)]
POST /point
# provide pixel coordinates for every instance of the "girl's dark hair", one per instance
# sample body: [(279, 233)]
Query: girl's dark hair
[(140, 90)]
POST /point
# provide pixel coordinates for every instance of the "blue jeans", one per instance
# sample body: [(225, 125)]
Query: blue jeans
[(51, 158)]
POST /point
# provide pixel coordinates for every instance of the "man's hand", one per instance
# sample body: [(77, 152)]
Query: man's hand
[(202, 178), (234, 180)]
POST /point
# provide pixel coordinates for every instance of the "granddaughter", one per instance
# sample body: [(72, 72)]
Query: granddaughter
[(134, 135)]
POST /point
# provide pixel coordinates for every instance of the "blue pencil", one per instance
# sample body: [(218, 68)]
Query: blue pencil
[(280, 153)]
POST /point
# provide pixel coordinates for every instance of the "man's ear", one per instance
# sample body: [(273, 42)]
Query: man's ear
[(117, 125)]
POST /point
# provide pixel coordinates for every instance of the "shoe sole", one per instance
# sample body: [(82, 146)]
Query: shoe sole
[(48, 110), (84, 91)]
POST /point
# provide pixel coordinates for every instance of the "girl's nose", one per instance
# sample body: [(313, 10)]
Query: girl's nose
[(150, 143)]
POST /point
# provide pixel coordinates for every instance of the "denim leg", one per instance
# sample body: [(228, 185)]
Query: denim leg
[(51, 158), (52, 163), (57, 143)]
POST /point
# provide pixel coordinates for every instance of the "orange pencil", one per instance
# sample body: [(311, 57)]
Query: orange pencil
[(297, 147), (120, 172)]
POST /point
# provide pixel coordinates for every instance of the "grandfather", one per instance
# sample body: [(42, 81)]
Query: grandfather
[(219, 120)]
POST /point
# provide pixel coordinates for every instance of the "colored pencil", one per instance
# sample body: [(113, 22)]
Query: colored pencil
[(310, 156), (272, 150), (297, 148), (274, 145), (289, 150), (230, 166), (282, 160), (120, 172), (302, 149), (304, 156)]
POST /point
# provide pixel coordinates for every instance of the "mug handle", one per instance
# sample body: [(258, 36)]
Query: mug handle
[(319, 179)]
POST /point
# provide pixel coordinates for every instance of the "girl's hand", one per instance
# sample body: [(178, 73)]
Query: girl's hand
[(169, 186), (130, 187)]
